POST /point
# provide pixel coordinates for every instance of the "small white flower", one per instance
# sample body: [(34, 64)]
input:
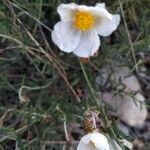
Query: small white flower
[(80, 26), (93, 141)]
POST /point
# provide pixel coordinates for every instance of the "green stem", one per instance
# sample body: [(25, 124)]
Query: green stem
[(100, 108), (89, 84)]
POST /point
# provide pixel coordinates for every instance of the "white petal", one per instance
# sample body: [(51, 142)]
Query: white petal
[(96, 11), (84, 143), (100, 141), (66, 12), (82, 146), (107, 26), (101, 5), (86, 139), (65, 36), (93, 141), (88, 45)]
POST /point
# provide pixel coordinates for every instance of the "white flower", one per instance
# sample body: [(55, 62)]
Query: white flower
[(93, 141), (80, 26)]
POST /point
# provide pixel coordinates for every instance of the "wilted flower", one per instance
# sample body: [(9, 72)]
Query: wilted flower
[(80, 26), (93, 141)]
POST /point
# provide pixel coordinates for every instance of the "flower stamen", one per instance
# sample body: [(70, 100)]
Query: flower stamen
[(84, 20)]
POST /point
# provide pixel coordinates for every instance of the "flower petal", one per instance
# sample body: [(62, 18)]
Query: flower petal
[(100, 141), (93, 141), (88, 45), (107, 26), (85, 143), (66, 12), (100, 5), (82, 146), (86, 139), (65, 36), (98, 12)]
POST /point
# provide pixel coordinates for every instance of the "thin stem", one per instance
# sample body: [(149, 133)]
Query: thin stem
[(89, 84), (22, 99), (12, 38), (100, 108), (129, 36), (53, 60), (28, 14), (65, 129)]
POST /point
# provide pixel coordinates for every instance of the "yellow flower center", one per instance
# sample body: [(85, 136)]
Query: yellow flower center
[(84, 20)]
